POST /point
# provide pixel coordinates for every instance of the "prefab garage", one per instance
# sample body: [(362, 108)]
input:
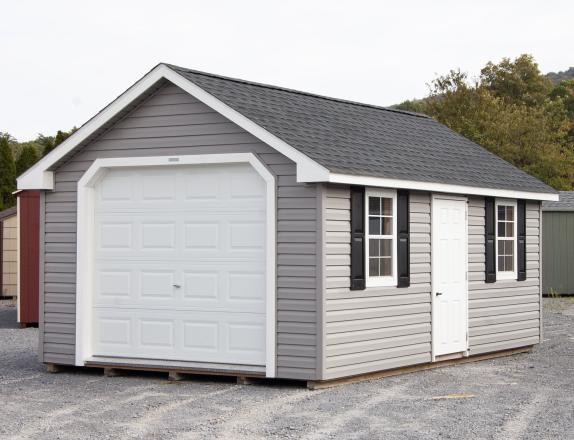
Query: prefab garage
[(211, 224)]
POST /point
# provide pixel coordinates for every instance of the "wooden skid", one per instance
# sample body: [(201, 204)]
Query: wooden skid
[(113, 372), (317, 385), (54, 368), (174, 374)]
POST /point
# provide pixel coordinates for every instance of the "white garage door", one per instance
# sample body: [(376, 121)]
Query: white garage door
[(180, 264)]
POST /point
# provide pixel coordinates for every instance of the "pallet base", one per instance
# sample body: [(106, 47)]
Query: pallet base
[(113, 372), (243, 378), (317, 385), (54, 368)]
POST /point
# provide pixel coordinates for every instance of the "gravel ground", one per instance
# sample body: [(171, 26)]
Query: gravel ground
[(527, 396)]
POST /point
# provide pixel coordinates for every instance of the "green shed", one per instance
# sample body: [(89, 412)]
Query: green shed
[(558, 249)]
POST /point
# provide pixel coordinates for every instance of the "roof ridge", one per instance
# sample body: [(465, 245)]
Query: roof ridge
[(299, 92)]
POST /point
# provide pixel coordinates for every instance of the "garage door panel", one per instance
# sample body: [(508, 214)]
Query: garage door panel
[(158, 235), (158, 185), (181, 335), (185, 237), (235, 287), (114, 235), (180, 264)]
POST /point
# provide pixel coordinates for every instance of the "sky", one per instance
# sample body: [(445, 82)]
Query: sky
[(63, 61)]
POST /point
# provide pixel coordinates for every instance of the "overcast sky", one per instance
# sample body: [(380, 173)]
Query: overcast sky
[(62, 61)]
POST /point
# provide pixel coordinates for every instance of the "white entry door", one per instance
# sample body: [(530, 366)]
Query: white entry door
[(449, 276), (179, 264)]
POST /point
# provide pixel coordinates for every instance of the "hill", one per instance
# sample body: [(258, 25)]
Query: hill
[(556, 77)]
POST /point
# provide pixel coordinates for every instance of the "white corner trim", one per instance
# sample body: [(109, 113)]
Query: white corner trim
[(39, 176), (437, 187), (85, 241)]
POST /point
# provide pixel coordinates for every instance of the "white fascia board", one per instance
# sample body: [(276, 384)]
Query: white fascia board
[(438, 187), (39, 176)]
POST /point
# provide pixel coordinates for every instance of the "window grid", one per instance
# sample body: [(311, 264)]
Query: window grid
[(505, 237), (380, 235)]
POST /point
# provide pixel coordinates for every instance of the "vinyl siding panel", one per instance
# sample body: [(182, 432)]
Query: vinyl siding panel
[(171, 122), (9, 257), (504, 314), (376, 328)]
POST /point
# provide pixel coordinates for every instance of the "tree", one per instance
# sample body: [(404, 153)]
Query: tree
[(28, 157), (512, 111), (518, 81), (50, 142), (565, 91), (7, 174)]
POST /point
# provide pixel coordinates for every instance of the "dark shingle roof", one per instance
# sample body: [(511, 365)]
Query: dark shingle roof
[(565, 203), (8, 212), (360, 139)]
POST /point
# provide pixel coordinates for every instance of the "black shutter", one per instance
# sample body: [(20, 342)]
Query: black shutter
[(357, 238), (521, 226), (403, 240), (490, 240)]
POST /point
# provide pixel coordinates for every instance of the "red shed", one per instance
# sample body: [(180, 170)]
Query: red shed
[(29, 249)]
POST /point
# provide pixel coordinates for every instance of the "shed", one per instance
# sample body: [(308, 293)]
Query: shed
[(204, 223), (558, 250), (8, 253), (29, 257)]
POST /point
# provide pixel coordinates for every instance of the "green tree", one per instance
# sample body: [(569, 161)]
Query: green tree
[(7, 174), (512, 115), (28, 157), (51, 142), (46, 143), (565, 92), (518, 81)]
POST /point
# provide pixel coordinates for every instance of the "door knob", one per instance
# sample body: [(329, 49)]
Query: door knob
[(177, 286), (438, 293)]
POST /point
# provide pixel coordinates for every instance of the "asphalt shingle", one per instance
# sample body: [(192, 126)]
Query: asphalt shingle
[(360, 139), (565, 203)]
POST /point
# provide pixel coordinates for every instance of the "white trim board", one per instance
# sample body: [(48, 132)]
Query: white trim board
[(39, 176), (85, 241), (438, 187)]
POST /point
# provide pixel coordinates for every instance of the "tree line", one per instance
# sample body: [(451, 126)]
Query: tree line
[(16, 157), (514, 111)]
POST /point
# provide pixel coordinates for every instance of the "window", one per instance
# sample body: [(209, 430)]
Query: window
[(381, 208), (505, 239)]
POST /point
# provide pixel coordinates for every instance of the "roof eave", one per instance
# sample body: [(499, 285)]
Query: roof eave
[(440, 187)]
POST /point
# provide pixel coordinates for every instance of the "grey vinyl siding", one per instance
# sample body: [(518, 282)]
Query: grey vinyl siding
[(504, 314), (171, 122), (558, 252), (376, 328)]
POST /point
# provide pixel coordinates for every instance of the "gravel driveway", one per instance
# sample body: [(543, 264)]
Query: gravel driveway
[(523, 396)]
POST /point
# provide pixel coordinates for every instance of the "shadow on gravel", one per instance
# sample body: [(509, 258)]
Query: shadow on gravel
[(8, 317)]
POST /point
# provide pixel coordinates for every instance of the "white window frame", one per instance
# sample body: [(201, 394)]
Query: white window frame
[(381, 281), (507, 275)]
